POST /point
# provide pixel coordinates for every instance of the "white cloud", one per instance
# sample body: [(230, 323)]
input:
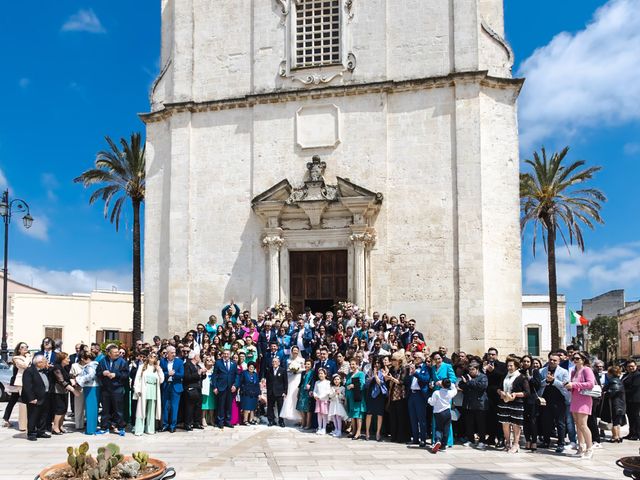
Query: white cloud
[(50, 184), (24, 82), (605, 269), (3, 181), (70, 281), (632, 149), (83, 21), (587, 79)]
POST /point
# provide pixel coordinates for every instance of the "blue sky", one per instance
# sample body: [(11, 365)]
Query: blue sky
[(78, 70)]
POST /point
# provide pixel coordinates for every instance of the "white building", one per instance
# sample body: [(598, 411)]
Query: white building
[(310, 151), (536, 326), (96, 316)]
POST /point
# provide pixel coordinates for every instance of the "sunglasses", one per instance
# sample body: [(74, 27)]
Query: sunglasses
[(577, 358)]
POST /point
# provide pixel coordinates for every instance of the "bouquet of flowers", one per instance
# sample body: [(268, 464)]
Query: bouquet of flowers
[(294, 368), (344, 306), (280, 309)]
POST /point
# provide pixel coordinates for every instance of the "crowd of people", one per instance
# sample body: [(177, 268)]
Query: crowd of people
[(371, 378)]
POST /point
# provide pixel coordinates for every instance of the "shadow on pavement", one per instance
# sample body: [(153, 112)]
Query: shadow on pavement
[(477, 474)]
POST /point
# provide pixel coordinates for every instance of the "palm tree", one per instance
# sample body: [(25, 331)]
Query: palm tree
[(122, 175), (552, 196)]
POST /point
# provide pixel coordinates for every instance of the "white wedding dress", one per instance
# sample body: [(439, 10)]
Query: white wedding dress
[(295, 368)]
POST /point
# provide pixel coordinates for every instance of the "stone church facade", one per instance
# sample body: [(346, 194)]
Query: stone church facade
[(310, 151)]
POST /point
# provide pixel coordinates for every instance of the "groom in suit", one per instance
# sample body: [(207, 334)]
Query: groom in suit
[(277, 385), (225, 384)]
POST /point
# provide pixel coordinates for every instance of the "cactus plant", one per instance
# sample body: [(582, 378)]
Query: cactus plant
[(142, 458), (129, 469), (77, 458), (108, 458)]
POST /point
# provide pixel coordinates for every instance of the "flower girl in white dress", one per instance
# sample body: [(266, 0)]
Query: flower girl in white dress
[(337, 400)]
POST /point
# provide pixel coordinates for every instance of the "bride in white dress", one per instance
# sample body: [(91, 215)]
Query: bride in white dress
[(295, 367)]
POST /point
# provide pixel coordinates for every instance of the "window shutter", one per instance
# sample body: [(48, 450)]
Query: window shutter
[(126, 338)]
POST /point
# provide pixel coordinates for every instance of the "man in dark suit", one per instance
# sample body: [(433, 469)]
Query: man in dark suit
[(35, 393), (267, 335), (407, 336), (225, 384), (192, 383), (173, 370), (495, 370), (326, 363), (200, 335), (267, 360), (277, 384), (113, 372)]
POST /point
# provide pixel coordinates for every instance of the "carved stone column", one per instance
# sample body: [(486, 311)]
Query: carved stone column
[(272, 244), (360, 241)]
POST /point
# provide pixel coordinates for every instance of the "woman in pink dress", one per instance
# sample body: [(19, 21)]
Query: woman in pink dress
[(582, 379), (235, 404)]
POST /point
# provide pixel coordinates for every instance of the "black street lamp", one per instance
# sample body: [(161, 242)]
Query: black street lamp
[(6, 209)]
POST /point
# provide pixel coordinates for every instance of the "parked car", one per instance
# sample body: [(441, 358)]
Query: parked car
[(5, 377)]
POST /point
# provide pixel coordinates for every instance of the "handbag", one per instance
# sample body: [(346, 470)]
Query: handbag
[(594, 392), (455, 414)]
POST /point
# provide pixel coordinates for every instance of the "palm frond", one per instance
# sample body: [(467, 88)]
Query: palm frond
[(119, 173)]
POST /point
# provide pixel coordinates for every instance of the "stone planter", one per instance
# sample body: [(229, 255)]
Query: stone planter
[(162, 473), (630, 466)]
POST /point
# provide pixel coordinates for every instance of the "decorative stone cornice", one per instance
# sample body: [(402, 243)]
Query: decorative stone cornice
[(330, 91)]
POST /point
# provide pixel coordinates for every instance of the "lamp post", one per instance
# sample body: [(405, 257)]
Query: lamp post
[(6, 209)]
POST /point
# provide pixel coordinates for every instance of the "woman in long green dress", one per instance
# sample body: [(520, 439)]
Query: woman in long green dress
[(208, 398), (356, 406), (147, 390), (303, 405)]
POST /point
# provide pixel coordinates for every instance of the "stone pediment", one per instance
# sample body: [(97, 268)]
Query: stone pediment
[(310, 201)]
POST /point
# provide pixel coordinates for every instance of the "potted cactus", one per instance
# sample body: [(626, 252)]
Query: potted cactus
[(109, 464)]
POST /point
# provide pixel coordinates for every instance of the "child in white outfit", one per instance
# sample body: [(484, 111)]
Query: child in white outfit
[(441, 403), (336, 404), (321, 392)]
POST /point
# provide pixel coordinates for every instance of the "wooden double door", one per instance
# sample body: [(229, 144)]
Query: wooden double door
[(318, 279)]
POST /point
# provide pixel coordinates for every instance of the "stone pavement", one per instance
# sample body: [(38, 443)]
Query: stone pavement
[(260, 452)]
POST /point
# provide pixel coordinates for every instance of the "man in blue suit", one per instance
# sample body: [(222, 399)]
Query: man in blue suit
[(225, 384), (417, 387), (301, 335), (113, 372), (326, 363), (173, 370)]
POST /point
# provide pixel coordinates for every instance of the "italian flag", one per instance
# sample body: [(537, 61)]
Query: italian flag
[(576, 318)]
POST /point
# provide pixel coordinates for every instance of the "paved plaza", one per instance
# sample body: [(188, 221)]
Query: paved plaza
[(278, 453)]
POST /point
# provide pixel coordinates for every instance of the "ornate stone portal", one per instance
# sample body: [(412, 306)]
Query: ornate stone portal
[(318, 216)]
